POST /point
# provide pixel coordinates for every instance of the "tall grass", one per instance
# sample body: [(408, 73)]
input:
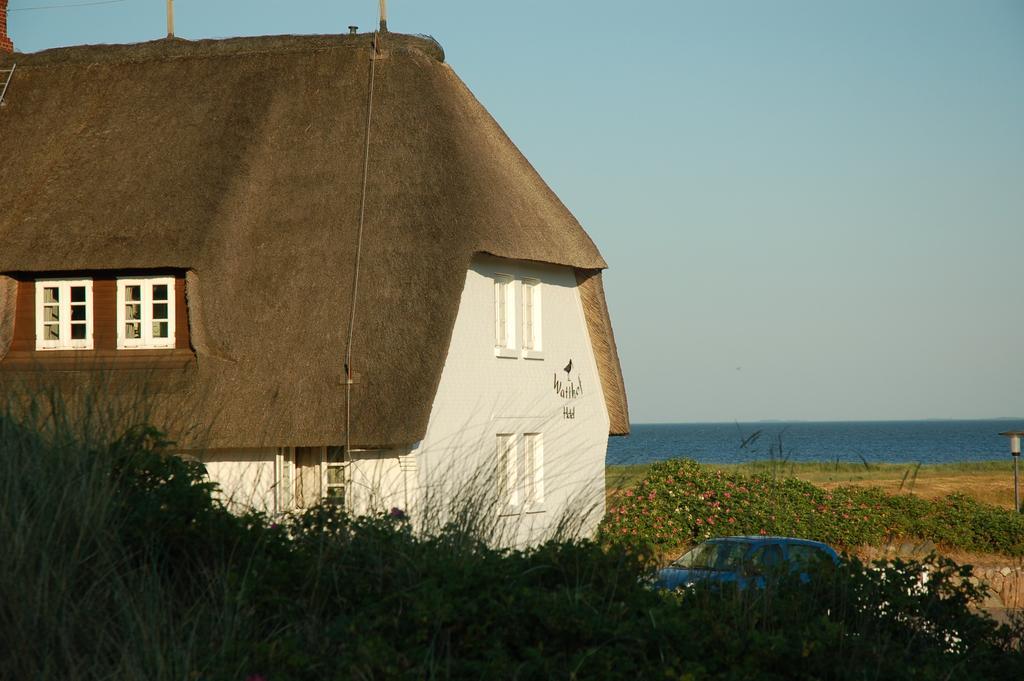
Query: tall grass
[(77, 598), (122, 564)]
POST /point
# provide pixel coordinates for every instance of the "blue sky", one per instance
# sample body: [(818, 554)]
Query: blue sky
[(812, 209)]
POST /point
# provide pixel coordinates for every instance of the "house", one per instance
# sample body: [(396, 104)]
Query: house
[(320, 251)]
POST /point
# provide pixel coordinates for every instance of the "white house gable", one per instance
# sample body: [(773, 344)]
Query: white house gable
[(519, 412)]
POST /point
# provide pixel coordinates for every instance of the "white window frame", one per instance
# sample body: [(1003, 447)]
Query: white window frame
[(284, 479), (505, 326), (520, 464), (146, 341), (334, 459), (533, 470), (508, 471), (65, 342), (533, 337)]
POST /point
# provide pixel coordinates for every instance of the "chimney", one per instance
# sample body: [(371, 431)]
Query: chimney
[(5, 42)]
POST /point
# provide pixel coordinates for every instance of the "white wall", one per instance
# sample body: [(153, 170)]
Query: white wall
[(380, 480), (245, 476), (482, 395)]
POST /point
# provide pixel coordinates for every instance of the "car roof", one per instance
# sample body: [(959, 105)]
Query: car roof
[(770, 539)]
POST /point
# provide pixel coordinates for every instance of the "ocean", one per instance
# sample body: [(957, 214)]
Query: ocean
[(938, 441)]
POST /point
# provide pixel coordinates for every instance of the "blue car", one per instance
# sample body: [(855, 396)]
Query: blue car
[(744, 560)]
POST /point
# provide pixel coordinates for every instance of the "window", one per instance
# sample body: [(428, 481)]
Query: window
[(335, 474), (764, 559), (803, 557), (533, 467), (145, 313), (284, 479), (521, 471), (504, 316), (531, 319), (508, 477), (64, 314)]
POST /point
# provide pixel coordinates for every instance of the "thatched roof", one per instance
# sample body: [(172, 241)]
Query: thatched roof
[(241, 161)]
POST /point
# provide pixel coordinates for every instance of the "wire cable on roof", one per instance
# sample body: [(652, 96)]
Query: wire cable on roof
[(77, 4), (359, 252)]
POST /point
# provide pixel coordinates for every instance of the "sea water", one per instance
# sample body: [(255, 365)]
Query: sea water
[(938, 441)]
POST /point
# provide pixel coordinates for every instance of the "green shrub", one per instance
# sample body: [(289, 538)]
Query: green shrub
[(122, 565), (679, 503)]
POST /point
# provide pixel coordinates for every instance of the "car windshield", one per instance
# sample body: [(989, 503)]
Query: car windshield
[(714, 556)]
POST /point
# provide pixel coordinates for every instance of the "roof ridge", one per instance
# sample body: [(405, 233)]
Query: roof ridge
[(166, 49)]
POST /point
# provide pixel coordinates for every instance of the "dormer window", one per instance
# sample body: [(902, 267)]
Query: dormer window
[(64, 314), (145, 313)]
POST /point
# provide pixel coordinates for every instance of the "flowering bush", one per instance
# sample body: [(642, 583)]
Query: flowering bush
[(680, 502), (120, 564)]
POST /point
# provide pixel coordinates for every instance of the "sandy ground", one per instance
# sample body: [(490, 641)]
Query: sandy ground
[(990, 488)]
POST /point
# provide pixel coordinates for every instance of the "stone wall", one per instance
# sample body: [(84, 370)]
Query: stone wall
[(1006, 583)]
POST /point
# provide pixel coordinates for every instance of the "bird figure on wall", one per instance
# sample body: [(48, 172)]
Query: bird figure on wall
[(568, 368)]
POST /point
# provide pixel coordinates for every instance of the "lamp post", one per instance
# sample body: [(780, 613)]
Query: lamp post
[(1015, 436)]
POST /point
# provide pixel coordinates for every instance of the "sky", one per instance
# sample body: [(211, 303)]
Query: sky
[(812, 210)]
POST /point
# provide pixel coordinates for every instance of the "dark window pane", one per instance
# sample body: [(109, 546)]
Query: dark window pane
[(159, 310), (78, 313), (77, 294), (78, 331), (160, 292), (336, 495)]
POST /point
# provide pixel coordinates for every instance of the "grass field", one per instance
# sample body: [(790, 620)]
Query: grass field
[(989, 481)]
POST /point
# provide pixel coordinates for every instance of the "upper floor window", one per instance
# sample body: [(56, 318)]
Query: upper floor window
[(531, 318), (145, 313), (504, 316), (64, 314), (517, 317)]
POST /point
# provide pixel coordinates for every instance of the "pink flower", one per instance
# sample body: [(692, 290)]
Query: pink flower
[(700, 521), (711, 520), (728, 495), (763, 531), (650, 497), (629, 492), (732, 520), (670, 480)]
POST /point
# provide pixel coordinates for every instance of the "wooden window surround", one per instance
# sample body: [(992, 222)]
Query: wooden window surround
[(104, 354)]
